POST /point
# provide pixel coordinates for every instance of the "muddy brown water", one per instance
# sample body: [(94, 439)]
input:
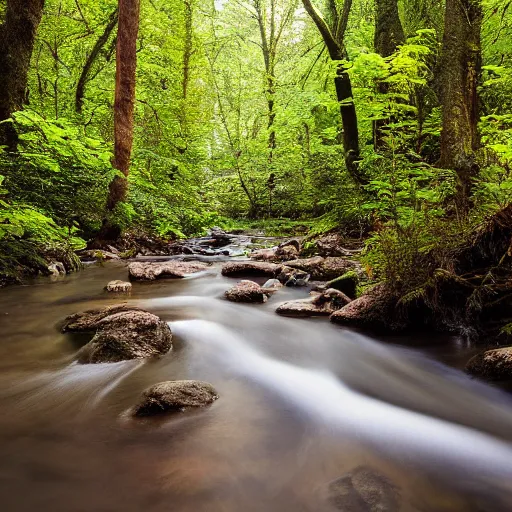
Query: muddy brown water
[(302, 403)]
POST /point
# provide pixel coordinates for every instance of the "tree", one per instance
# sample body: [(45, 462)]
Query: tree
[(17, 35), (333, 35), (126, 66), (389, 34), (460, 70)]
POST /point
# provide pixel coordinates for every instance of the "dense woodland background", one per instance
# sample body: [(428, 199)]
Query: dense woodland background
[(387, 120)]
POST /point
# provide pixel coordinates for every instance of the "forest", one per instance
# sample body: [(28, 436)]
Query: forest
[(386, 122)]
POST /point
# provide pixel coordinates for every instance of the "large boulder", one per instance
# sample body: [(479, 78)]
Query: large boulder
[(363, 490), (247, 291), (324, 304), (323, 269), (121, 333), (175, 396), (169, 269), (492, 365), (250, 268)]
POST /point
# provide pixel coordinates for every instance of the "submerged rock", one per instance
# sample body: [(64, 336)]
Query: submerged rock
[(169, 269), (175, 396), (121, 333), (247, 291), (323, 269), (324, 304), (363, 490), (119, 287), (493, 364), (272, 285), (253, 268)]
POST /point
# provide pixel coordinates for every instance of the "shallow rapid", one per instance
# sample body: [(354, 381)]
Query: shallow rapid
[(302, 403)]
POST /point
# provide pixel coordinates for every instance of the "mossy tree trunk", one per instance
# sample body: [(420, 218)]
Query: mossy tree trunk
[(389, 34), (17, 36), (460, 71)]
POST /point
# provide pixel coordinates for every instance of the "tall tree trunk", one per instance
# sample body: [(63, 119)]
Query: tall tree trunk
[(460, 67), (126, 66), (17, 36), (389, 34), (333, 37), (91, 59)]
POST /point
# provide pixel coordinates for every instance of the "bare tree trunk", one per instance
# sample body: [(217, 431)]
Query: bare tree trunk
[(17, 36), (389, 34), (460, 67), (91, 59), (126, 66)]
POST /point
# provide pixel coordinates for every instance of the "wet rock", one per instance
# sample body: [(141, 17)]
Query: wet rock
[(175, 396), (323, 269), (98, 255), (121, 333), (375, 310), (253, 268), (288, 250), (57, 269), (263, 254), (272, 284), (169, 269), (293, 277), (247, 291), (347, 283), (363, 490), (322, 304), (492, 365), (216, 238), (119, 287)]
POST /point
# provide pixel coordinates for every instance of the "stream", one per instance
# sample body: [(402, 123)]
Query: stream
[(302, 403)]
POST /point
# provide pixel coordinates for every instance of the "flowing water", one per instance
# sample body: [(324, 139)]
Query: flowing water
[(302, 403)]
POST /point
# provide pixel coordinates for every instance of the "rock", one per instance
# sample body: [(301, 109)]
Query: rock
[(288, 250), (347, 283), (175, 396), (97, 254), (323, 269), (216, 238), (263, 254), (119, 287), (363, 490), (323, 304), (332, 245), (253, 268), (169, 269), (493, 364), (286, 253), (293, 277), (375, 310), (57, 269), (272, 284), (247, 291), (121, 333)]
